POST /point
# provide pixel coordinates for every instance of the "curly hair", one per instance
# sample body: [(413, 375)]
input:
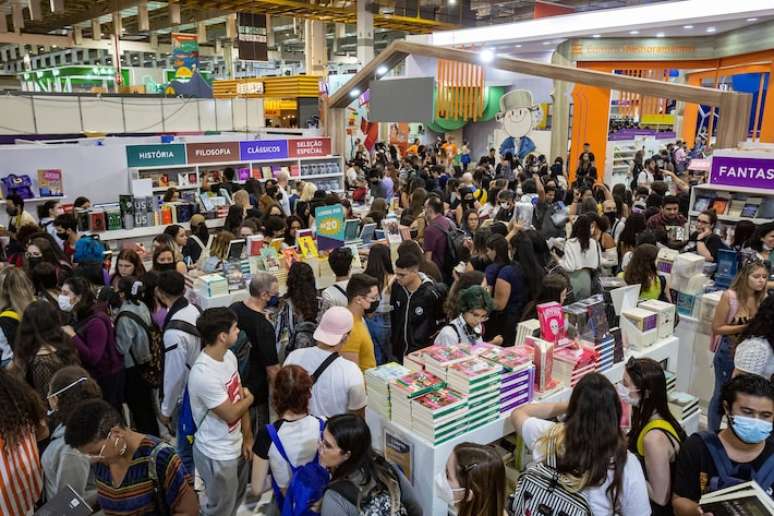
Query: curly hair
[(22, 409), (302, 290), (41, 326), (292, 390)]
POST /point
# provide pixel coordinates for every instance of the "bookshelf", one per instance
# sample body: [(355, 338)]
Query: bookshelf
[(731, 204), (33, 200)]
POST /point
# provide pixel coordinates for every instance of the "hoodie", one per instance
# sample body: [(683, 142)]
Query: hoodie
[(415, 316)]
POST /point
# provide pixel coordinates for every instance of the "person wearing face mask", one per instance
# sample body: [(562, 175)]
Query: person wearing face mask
[(615, 217), (270, 197), (743, 450), (362, 299), (14, 207), (505, 206), (474, 304), (182, 344), (164, 259), (93, 335), (47, 213), (655, 435), (62, 465), (473, 481), (66, 228), (263, 361), (338, 386), (122, 460)]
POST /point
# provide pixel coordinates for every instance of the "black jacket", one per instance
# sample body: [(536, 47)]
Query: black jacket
[(416, 317)]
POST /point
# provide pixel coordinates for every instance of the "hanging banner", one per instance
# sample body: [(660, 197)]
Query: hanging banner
[(252, 37), (185, 54), (330, 226), (309, 147), (740, 171), (212, 152), (263, 149), (164, 154)]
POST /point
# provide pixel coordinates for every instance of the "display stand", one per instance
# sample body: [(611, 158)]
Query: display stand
[(726, 195), (35, 200), (429, 460), (147, 231)]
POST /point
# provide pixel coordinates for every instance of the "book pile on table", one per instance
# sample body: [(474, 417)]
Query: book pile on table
[(437, 359), (605, 352), (479, 380), (517, 377), (683, 405), (211, 285), (440, 415), (671, 381), (414, 361), (543, 358), (408, 387), (571, 364), (377, 382), (528, 328)]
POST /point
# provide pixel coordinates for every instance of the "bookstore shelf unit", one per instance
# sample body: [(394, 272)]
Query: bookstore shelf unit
[(141, 233), (428, 460), (33, 200), (732, 204), (621, 161)]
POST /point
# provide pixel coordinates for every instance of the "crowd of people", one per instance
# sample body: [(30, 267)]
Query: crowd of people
[(247, 396)]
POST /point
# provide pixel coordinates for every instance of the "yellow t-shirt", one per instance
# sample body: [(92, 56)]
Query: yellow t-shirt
[(359, 341)]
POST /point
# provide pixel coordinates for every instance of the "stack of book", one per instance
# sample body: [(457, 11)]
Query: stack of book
[(437, 359), (377, 382), (211, 285), (517, 377), (439, 416), (639, 328), (480, 380), (530, 327), (551, 319), (406, 388), (683, 405), (605, 352), (414, 361), (671, 381), (543, 358), (571, 364)]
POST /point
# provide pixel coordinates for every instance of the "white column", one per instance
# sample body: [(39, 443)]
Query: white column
[(365, 33)]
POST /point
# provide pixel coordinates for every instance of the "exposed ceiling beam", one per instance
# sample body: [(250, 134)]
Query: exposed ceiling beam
[(35, 40), (96, 9)]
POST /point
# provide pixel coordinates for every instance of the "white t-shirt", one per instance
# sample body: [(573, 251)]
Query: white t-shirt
[(575, 258), (634, 495), (645, 178), (210, 384), (298, 438), (755, 356), (339, 389), (335, 296)]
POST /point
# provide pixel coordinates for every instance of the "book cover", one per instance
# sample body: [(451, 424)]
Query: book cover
[(751, 207), (308, 247), (254, 244), (267, 173), (474, 369), (290, 255), (551, 320), (97, 221), (720, 205), (270, 259), (543, 359), (445, 355), (747, 498), (357, 263), (50, 182), (416, 384), (440, 401), (399, 452), (392, 230), (736, 207), (701, 203), (351, 229), (126, 203), (244, 174)]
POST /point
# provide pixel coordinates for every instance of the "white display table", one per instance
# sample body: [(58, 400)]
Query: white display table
[(429, 460), (694, 373)]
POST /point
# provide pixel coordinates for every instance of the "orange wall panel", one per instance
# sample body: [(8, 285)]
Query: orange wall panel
[(591, 111)]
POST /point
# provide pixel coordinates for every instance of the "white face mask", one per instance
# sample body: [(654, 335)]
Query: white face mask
[(626, 396), (444, 491), (64, 303), (504, 206)]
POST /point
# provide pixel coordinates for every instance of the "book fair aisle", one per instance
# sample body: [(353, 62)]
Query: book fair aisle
[(505, 258)]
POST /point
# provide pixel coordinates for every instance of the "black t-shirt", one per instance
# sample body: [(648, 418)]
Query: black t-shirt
[(713, 242), (694, 468), (264, 349)]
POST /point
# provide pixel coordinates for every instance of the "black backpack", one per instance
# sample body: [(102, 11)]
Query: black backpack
[(375, 500), (455, 242), (151, 371)]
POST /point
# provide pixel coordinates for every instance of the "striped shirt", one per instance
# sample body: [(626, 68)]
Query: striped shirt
[(135, 496), (21, 477)]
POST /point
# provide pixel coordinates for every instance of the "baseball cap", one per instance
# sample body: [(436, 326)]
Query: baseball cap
[(335, 323)]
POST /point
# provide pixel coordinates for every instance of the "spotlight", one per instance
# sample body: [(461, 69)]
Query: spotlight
[(487, 55)]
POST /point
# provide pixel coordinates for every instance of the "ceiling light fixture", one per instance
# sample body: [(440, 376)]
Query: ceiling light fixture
[(487, 55), (752, 19), (660, 35), (596, 36), (634, 32), (546, 42), (382, 70), (354, 93), (711, 29), (518, 46), (687, 27)]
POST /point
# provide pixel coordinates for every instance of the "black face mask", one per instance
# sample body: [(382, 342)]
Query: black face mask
[(272, 192), (11, 211), (33, 261), (371, 309), (61, 236), (165, 267), (611, 216)]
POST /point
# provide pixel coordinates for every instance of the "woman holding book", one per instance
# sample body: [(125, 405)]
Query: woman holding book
[(737, 307), (473, 481), (655, 435), (592, 455), (474, 304)]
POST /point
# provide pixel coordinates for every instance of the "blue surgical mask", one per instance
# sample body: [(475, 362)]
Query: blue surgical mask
[(274, 301), (749, 429)]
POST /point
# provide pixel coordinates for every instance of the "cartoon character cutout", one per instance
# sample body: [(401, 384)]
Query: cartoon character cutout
[(516, 117)]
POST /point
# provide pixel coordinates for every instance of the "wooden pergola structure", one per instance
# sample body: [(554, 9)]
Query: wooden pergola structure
[(734, 107)]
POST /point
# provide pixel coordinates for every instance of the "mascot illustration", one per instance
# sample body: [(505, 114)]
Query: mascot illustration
[(516, 116)]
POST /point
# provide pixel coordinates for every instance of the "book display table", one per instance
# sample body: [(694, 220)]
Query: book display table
[(428, 460)]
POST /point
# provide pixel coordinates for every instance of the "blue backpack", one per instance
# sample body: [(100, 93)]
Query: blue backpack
[(186, 426), (307, 482), (764, 476)]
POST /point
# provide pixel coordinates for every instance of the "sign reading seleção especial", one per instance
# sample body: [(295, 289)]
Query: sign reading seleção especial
[(212, 152), (309, 147), (747, 172), (159, 155), (263, 149)]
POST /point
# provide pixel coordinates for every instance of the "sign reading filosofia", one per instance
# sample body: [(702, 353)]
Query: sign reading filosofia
[(161, 155), (748, 172)]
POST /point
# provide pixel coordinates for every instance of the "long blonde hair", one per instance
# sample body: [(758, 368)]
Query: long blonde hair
[(741, 286), (16, 291), (220, 243), (308, 193), (242, 199)]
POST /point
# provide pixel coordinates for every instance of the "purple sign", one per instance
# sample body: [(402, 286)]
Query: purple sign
[(739, 171), (258, 150), (630, 134)]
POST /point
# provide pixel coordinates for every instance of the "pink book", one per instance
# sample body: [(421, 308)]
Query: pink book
[(474, 368), (551, 320), (544, 363), (443, 356), (438, 400), (510, 358), (416, 384)]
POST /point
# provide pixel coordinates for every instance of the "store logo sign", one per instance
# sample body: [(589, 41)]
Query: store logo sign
[(309, 147), (212, 152), (250, 88), (155, 155), (263, 149), (745, 172)]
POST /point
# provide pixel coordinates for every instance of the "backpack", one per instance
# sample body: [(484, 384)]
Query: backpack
[(292, 335), (241, 350), (375, 502), (540, 491), (726, 476), (151, 371), (455, 242), (307, 482), (186, 426), (158, 490)]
